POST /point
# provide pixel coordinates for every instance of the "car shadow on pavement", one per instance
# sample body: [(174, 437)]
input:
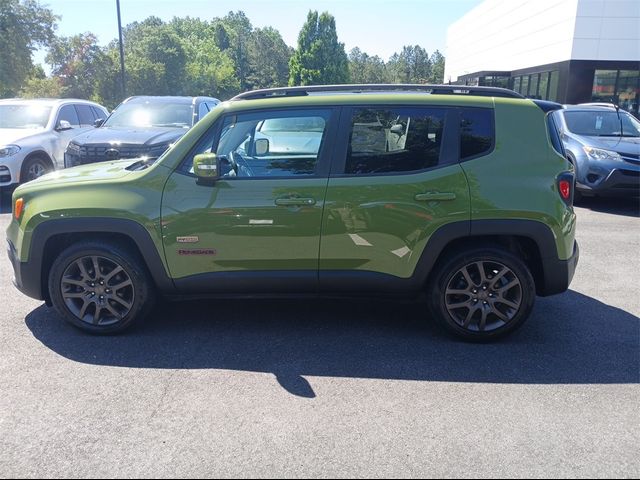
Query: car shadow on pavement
[(570, 339), (629, 207), (5, 200)]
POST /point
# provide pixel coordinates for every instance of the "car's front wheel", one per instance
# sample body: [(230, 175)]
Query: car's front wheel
[(99, 287), (481, 294), (33, 168)]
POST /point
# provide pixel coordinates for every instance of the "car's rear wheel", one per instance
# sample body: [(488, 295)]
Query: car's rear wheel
[(481, 294), (33, 168), (99, 287)]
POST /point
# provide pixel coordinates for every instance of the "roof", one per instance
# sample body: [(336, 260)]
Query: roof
[(168, 99), (49, 102)]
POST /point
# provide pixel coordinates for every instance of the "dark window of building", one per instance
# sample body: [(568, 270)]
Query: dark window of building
[(516, 84), (543, 86), (553, 86), (533, 86), (476, 132), (524, 90), (397, 140), (85, 115), (502, 82), (604, 86), (629, 90)]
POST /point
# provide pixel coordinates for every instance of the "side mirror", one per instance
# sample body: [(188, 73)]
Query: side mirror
[(98, 122), (63, 125), (397, 129), (206, 166), (262, 146)]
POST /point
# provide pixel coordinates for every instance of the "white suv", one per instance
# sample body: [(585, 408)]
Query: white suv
[(34, 134)]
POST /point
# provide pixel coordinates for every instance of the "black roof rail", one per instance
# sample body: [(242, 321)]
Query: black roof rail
[(401, 87)]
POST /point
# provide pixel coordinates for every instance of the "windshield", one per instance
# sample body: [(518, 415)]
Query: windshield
[(602, 124), (24, 116), (147, 114)]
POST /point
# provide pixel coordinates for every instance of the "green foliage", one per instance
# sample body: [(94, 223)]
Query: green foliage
[(189, 56), (320, 58), (24, 26)]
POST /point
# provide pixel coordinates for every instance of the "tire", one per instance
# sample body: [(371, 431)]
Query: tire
[(33, 168), (125, 297), (459, 303)]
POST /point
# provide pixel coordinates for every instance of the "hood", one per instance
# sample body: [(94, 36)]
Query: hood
[(94, 172), (624, 145), (130, 136), (14, 135)]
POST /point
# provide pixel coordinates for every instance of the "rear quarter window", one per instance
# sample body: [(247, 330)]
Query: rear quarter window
[(477, 132)]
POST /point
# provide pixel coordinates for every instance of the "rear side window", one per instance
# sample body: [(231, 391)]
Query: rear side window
[(85, 115), (477, 132), (394, 140)]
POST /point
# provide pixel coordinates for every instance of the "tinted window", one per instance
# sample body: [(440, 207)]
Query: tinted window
[(268, 144), (476, 132), (85, 115), (394, 140), (203, 109), (99, 113), (554, 135), (68, 113)]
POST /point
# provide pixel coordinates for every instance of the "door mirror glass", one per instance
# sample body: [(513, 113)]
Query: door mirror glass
[(63, 125), (206, 166), (262, 146), (98, 122)]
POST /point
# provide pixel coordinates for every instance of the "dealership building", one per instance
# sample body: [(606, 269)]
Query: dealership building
[(568, 51)]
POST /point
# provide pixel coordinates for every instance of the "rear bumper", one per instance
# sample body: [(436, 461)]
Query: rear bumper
[(26, 278), (558, 274)]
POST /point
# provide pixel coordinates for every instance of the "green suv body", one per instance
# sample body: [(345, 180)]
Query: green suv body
[(465, 197)]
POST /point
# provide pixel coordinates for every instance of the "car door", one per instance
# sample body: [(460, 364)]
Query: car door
[(395, 181), (69, 114), (257, 228)]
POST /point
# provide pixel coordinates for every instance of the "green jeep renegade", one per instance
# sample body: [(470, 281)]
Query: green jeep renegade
[(463, 194)]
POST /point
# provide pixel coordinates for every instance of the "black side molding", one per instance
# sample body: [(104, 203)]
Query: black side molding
[(32, 281)]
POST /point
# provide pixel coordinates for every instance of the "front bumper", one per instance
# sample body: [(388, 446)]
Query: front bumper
[(26, 278), (624, 182), (558, 274)]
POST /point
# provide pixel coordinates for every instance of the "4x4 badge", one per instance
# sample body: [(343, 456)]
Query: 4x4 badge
[(193, 239)]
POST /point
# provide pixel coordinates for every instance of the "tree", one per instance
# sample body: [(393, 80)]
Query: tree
[(319, 58), (236, 32), (268, 59), (79, 64), (24, 26), (412, 65), (366, 69), (437, 68)]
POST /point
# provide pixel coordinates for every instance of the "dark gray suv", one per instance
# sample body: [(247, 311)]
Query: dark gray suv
[(139, 127)]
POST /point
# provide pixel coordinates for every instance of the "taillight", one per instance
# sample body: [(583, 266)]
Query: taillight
[(565, 187), (18, 208)]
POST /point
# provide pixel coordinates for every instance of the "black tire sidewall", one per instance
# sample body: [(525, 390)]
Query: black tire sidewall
[(24, 171), (143, 291), (443, 273)]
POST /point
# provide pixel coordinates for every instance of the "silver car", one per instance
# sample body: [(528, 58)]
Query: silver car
[(603, 142), (34, 134)]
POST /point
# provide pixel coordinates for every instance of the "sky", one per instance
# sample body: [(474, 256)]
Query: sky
[(377, 27)]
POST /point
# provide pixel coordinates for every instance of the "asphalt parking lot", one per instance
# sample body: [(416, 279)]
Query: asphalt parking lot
[(328, 388)]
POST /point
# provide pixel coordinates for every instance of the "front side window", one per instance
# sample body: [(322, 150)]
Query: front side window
[(68, 113), (85, 115), (476, 132), (394, 140), (268, 144)]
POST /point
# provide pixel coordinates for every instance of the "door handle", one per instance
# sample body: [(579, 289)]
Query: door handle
[(435, 196), (296, 202)]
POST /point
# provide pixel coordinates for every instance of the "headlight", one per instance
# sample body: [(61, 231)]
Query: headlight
[(73, 149), (600, 154), (8, 150)]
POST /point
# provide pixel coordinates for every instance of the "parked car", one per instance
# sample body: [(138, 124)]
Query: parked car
[(603, 142), (468, 201), (34, 134), (139, 127)]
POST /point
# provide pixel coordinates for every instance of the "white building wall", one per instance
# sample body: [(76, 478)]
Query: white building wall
[(513, 34)]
